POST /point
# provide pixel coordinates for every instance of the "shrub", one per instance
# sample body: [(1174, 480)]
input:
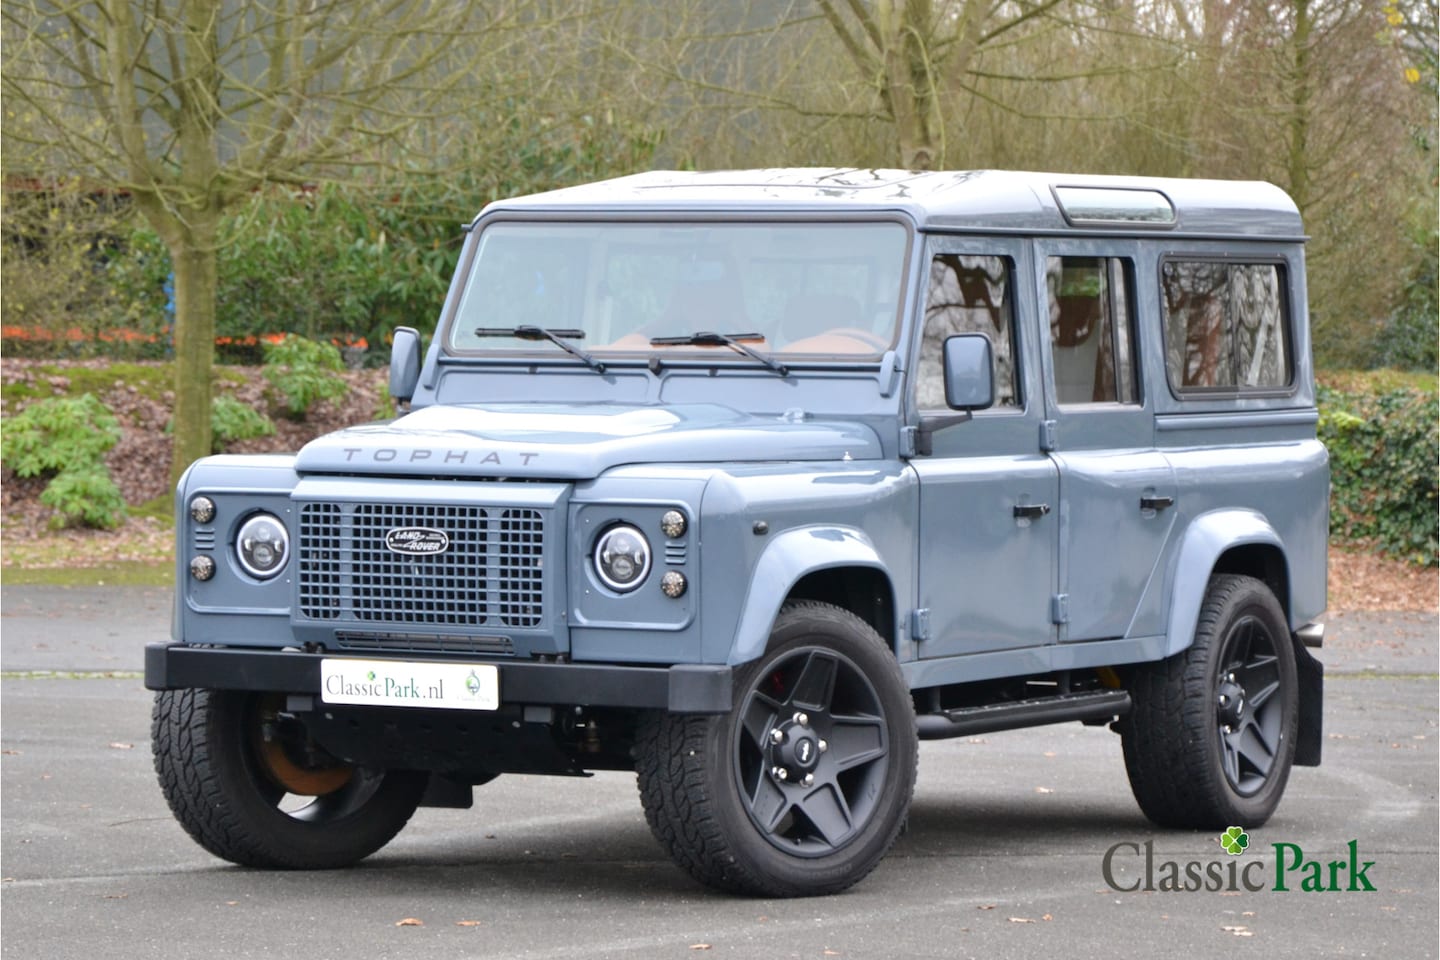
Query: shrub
[(1383, 449), (59, 433), (231, 421), (84, 496), (303, 373), (68, 437)]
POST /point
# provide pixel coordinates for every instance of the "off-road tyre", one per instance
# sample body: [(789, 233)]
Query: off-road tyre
[(215, 782), (708, 786), (1193, 762)]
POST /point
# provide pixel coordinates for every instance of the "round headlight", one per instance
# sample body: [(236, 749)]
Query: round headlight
[(262, 546), (622, 558)]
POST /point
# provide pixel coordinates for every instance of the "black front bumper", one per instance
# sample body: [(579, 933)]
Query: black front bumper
[(684, 688)]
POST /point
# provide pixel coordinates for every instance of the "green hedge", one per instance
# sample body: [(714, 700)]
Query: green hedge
[(1382, 437)]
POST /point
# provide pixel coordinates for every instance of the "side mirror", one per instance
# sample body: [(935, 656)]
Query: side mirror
[(969, 372), (405, 363), (969, 385)]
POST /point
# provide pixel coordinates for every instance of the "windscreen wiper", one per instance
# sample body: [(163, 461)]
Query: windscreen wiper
[(706, 338), (557, 336)]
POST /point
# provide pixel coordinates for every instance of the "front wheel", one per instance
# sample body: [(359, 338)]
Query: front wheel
[(803, 787), (1211, 739), (245, 782)]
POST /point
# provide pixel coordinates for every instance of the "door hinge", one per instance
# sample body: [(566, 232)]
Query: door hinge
[(920, 624), (1047, 435), (1060, 608), (907, 441)]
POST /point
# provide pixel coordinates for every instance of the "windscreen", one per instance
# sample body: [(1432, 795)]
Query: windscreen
[(803, 289)]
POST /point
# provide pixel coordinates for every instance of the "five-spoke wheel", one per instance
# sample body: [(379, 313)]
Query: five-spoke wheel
[(803, 787), (812, 751)]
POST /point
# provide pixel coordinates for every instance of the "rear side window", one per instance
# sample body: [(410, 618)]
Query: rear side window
[(1226, 326)]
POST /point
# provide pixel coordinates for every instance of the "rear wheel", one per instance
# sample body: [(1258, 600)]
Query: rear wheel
[(1211, 739), (245, 782), (803, 787)]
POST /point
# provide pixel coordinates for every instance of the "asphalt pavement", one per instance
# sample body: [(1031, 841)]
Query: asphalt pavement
[(1004, 855)]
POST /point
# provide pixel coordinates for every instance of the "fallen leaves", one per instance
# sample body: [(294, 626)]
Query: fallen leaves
[(1363, 581), (117, 745), (468, 923), (1239, 931), (699, 946), (410, 922)]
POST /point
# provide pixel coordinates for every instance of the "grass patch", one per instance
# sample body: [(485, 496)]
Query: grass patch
[(162, 508), (124, 573)]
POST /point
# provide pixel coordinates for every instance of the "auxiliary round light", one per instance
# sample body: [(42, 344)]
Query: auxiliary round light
[(202, 568), (622, 558), (673, 524), (262, 546), (202, 509), (673, 584)]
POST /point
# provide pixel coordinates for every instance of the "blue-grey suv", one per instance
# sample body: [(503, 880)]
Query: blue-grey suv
[(750, 481)]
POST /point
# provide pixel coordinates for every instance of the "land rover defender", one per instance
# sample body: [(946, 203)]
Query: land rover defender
[(750, 481)]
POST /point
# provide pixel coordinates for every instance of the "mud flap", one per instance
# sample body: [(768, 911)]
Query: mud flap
[(1310, 675)]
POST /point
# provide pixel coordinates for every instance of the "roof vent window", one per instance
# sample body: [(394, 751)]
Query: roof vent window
[(1100, 205)]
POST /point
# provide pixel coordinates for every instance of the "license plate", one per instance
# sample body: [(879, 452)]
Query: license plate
[(399, 683)]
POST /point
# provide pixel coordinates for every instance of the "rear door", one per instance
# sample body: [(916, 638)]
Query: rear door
[(1117, 492)]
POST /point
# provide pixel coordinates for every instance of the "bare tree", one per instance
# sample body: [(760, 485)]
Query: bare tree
[(919, 53), (188, 105)]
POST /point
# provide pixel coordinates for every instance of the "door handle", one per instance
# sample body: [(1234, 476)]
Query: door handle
[(1156, 503), (1031, 511)]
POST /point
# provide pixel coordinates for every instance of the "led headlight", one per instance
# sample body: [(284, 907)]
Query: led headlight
[(622, 558), (262, 546)]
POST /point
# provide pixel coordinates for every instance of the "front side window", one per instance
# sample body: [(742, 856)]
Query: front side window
[(968, 294), (1226, 326), (1090, 329), (802, 289)]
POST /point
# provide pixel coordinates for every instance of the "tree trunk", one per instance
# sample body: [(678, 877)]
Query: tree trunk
[(192, 253), (1298, 160)]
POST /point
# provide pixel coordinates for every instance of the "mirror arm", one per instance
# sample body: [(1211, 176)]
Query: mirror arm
[(925, 433)]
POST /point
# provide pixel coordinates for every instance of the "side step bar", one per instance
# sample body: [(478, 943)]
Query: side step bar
[(1098, 705)]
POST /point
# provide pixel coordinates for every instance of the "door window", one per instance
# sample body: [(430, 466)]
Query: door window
[(968, 294), (1091, 329)]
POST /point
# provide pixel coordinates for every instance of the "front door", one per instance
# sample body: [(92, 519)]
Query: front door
[(988, 494)]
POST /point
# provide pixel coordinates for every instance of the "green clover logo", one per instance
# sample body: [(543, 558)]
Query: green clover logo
[(370, 675), (1234, 840)]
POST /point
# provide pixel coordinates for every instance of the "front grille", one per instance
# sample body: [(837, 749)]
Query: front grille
[(489, 575)]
